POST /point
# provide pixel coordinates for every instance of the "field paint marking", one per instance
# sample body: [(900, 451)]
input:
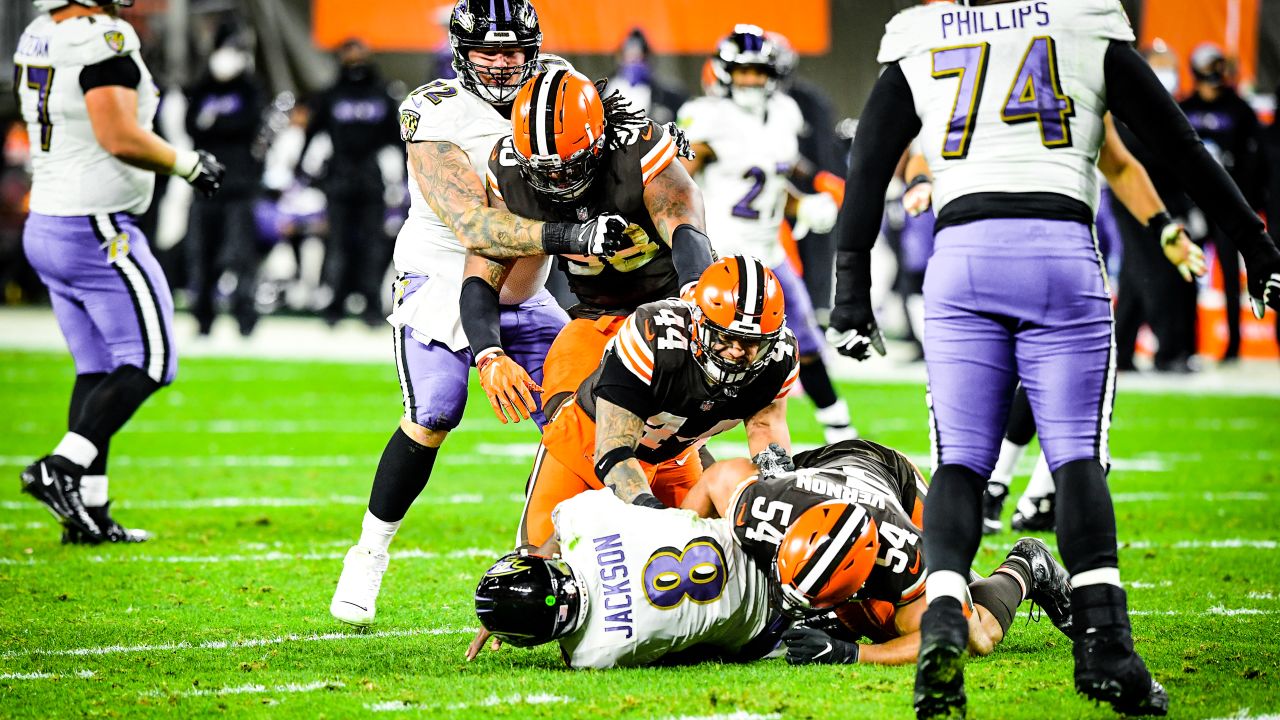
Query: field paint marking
[(740, 715), (1261, 596), (45, 676), (491, 701), (1243, 714), (1230, 544), (274, 556), (1215, 610), (1182, 497), (243, 502), (9, 527), (1139, 585), (229, 644), (252, 689), (369, 462)]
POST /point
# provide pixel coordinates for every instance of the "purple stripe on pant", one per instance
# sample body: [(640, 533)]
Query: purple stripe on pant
[(1018, 299), (433, 378), (109, 294), (799, 310)]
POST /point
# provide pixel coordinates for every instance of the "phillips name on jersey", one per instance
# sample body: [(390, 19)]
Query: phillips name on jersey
[(873, 476), (656, 582), (648, 369), (1014, 89)]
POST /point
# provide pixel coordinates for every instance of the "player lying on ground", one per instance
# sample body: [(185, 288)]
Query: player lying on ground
[(630, 586), (840, 535), (678, 372)]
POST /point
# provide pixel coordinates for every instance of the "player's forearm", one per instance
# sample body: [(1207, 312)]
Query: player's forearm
[(618, 432), (496, 234), (143, 149), (1133, 188), (673, 199), (628, 480), (768, 426), (898, 651)]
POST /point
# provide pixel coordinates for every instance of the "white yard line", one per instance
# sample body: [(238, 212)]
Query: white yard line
[(253, 689), (1243, 714), (740, 715), (1229, 544), (491, 701), (83, 674), (364, 462), (243, 502), (267, 557), (227, 644)]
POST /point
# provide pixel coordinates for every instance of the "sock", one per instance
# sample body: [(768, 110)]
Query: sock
[(835, 415), (112, 403), (1021, 427), (93, 490), (953, 515), (77, 449), (376, 534), (1002, 593), (1086, 519), (817, 384), (1010, 454), (1097, 576), (947, 584), (1041, 483), (402, 473), (84, 386)]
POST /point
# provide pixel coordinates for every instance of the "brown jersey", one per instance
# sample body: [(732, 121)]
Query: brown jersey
[(649, 370), (637, 275), (878, 478)]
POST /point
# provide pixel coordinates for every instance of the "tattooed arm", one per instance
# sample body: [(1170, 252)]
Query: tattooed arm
[(674, 203), (457, 196), (616, 428), (768, 426)]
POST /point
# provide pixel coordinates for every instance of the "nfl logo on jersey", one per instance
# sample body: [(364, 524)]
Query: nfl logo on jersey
[(115, 40), (707, 405)]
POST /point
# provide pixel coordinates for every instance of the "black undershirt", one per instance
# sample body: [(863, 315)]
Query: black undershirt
[(120, 70)]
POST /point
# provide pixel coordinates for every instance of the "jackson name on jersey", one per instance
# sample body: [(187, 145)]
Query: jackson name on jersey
[(745, 186), (656, 582), (1002, 108), (72, 173), (445, 111), (879, 479)]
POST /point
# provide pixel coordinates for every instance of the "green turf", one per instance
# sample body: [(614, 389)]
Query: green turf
[(245, 586)]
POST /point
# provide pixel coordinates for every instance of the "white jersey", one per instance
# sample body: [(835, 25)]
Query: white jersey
[(657, 582), (1010, 96), (71, 173), (443, 110), (744, 189)]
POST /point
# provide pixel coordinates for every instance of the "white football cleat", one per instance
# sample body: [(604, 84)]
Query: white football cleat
[(355, 599)]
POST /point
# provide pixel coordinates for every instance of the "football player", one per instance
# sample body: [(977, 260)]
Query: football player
[(839, 533), (746, 157), (450, 127), (89, 101), (1010, 98), (569, 155), (677, 372), (620, 585)]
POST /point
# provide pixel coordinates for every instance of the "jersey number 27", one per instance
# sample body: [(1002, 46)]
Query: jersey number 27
[(1034, 96)]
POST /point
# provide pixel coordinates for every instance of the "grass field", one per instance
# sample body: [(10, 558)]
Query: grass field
[(254, 474)]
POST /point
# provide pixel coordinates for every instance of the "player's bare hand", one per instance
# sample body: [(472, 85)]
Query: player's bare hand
[(508, 387), (1186, 256), (918, 196), (477, 644)]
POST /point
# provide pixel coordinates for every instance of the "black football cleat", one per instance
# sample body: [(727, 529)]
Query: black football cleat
[(944, 640), (992, 506), (1107, 667), (112, 531), (1034, 514), (1051, 584), (59, 490)]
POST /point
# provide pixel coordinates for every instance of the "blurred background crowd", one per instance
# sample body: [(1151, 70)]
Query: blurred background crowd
[(298, 98)]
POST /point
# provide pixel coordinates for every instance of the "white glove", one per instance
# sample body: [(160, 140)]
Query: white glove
[(817, 213)]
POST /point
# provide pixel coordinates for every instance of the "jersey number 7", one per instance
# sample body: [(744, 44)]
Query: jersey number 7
[(1034, 96), (40, 79)]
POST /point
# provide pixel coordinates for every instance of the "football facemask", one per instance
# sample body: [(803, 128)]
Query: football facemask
[(488, 28)]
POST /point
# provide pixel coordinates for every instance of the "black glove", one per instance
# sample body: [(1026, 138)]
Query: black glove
[(773, 461), (853, 330), (603, 237), (807, 646), (649, 501), (206, 177), (1264, 281)]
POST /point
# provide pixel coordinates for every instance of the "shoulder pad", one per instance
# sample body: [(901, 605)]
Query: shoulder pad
[(788, 107), (698, 119), (906, 34), (659, 150), (426, 113), (91, 40), (1098, 18), (633, 344)]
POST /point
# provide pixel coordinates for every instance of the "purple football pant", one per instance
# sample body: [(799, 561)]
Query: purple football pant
[(433, 378), (1010, 300), (109, 294), (799, 309)]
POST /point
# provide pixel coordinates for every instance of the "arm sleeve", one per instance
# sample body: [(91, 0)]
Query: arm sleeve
[(480, 315), (887, 126), (120, 70), (1136, 97), (690, 252)]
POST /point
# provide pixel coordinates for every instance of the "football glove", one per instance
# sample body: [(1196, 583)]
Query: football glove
[(202, 170), (807, 646), (603, 237), (815, 213), (1185, 255), (1264, 285), (918, 195), (507, 385), (683, 148), (773, 461), (854, 333)]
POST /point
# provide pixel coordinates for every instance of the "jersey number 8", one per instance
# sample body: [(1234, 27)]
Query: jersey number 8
[(1035, 95)]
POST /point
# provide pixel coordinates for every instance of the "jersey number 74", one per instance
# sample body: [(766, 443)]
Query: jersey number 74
[(1034, 96)]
